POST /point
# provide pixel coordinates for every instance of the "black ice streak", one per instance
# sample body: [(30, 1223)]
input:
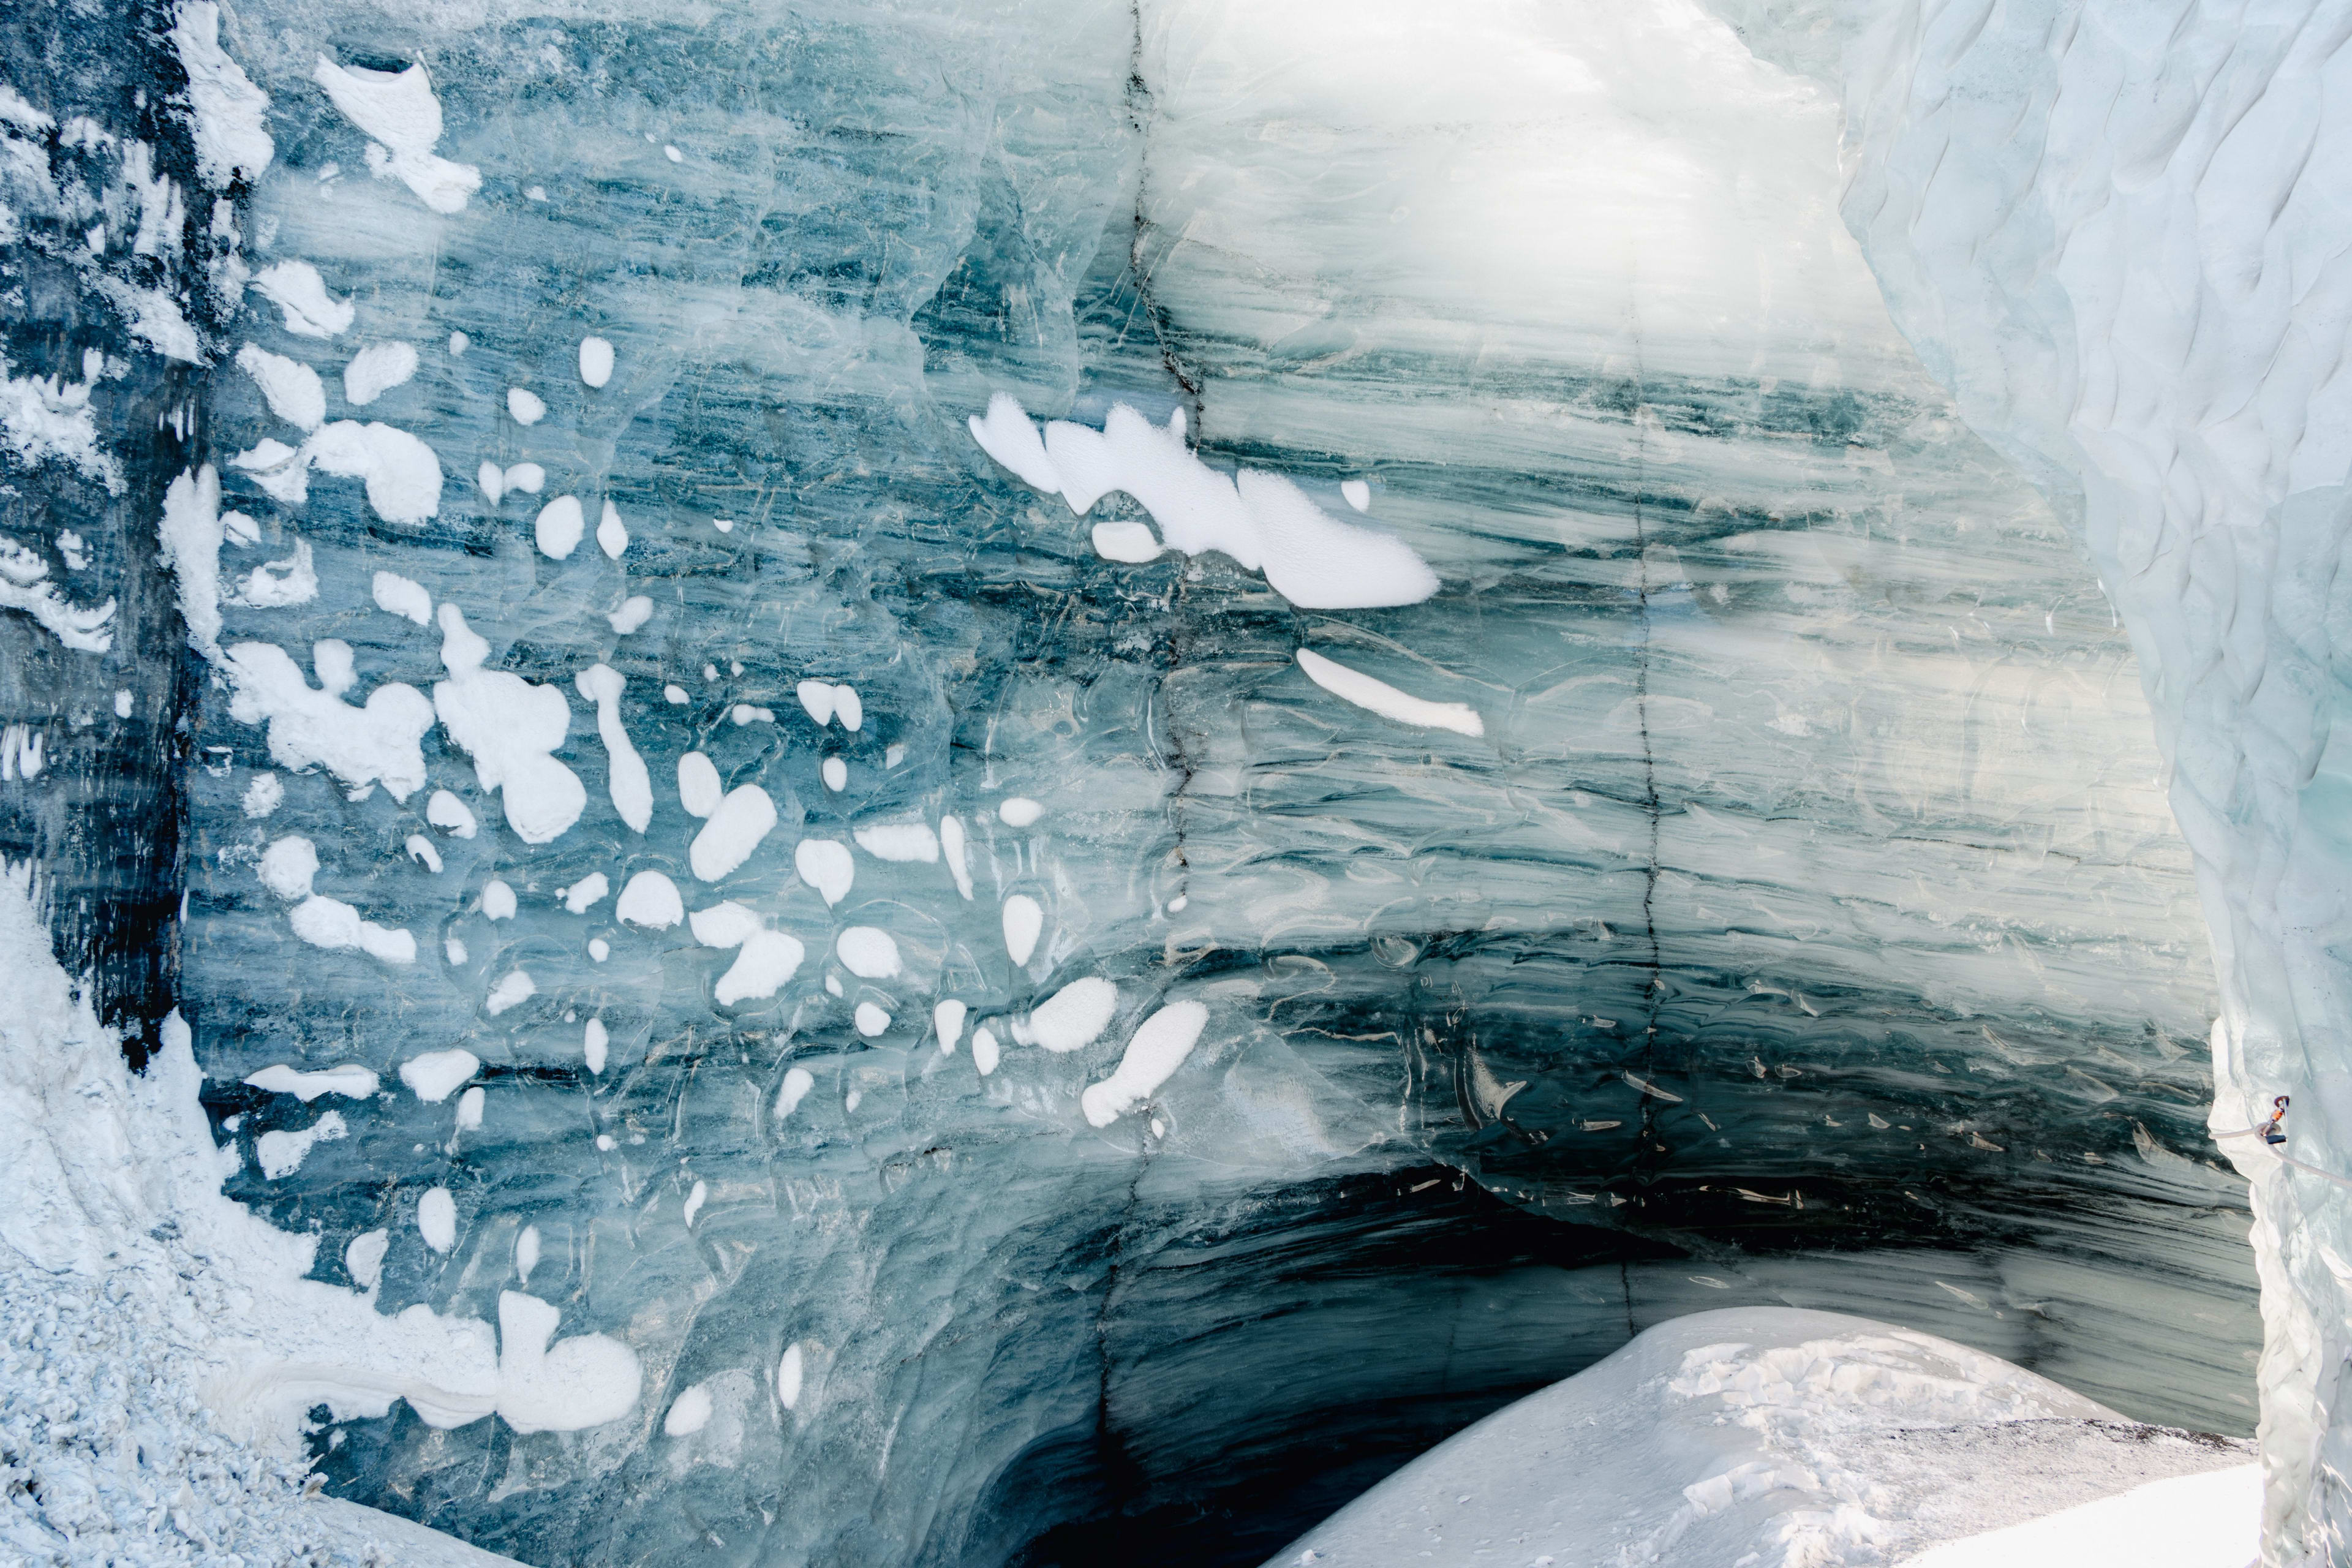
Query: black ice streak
[(1647, 1145), (1139, 268)]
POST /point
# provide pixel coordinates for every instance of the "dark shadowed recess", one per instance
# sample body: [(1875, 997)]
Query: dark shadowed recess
[(105, 816)]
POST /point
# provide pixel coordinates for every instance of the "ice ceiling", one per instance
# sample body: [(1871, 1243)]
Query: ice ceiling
[(1055, 773)]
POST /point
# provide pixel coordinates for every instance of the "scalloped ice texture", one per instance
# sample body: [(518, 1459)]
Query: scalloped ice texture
[(1807, 891), (2117, 231)]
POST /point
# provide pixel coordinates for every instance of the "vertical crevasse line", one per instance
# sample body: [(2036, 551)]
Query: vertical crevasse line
[(2115, 231)]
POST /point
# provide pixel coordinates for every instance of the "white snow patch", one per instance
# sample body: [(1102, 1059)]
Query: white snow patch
[(827, 865), (947, 1022), (1023, 921), (794, 1089), (351, 1082), (2209, 1520), (511, 728), (277, 584), (985, 1052), (1006, 434), (402, 475), (399, 110), (612, 535), (1157, 1048), (399, 596), (634, 612), (595, 1042), (789, 1374), (264, 795), (734, 830), (190, 535), (900, 841), (282, 1153), (1380, 698), (1132, 543), (1262, 520), (959, 865), (302, 300), (363, 1258), (497, 901), (311, 727), (436, 1220), (1356, 493), (631, 785), (155, 319), (45, 416), (291, 387), (1018, 811), (559, 527), (766, 960), (514, 989), (525, 406), (376, 369), (435, 1076), (700, 790), (596, 361), (586, 893), (690, 1414), (870, 1019), (1766, 1435), (228, 111), (650, 902), (447, 812), (1072, 1019), (420, 849), (868, 951)]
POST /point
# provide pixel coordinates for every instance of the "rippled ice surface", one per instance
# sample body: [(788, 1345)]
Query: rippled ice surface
[(1798, 921)]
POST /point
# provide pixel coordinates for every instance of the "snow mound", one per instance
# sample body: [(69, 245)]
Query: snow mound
[(1780, 1438)]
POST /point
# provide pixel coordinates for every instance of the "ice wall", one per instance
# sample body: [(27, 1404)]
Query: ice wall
[(1034, 1019), (2116, 232)]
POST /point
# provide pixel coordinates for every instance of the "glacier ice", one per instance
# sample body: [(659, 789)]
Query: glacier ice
[(1526, 750)]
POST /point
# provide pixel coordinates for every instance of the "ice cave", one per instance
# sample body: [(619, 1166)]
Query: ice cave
[(1045, 782)]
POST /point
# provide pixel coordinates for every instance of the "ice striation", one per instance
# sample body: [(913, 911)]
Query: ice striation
[(1285, 716)]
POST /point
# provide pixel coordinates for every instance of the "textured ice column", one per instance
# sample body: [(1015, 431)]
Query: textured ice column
[(2117, 232)]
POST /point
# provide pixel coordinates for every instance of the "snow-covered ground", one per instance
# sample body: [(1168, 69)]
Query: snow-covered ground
[(1771, 1437), (138, 1305)]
